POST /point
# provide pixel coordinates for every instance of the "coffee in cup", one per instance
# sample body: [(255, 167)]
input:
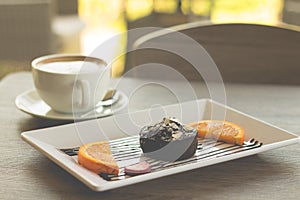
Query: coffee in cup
[(71, 83)]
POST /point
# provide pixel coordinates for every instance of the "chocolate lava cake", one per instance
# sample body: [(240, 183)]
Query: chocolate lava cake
[(168, 140)]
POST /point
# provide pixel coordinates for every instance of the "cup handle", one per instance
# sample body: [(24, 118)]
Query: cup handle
[(84, 87)]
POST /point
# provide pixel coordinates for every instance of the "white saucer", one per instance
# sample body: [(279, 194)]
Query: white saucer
[(30, 103)]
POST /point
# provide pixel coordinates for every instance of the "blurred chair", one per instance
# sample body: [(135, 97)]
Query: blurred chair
[(244, 53)]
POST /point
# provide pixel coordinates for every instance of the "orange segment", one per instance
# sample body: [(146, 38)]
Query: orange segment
[(97, 157), (221, 130)]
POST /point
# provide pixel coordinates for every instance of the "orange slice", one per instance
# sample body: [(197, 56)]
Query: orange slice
[(221, 130), (97, 157)]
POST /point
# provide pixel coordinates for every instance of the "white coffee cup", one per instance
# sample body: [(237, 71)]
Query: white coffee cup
[(71, 83)]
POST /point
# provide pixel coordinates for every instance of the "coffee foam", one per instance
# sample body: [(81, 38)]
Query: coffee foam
[(69, 67)]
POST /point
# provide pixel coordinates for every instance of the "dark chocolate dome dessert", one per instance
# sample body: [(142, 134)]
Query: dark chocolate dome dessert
[(168, 140)]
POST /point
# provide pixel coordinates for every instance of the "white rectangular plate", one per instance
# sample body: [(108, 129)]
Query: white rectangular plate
[(49, 140)]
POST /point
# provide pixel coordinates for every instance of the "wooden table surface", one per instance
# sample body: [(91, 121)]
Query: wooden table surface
[(27, 174)]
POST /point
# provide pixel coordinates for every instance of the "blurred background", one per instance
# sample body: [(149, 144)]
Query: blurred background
[(31, 28)]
